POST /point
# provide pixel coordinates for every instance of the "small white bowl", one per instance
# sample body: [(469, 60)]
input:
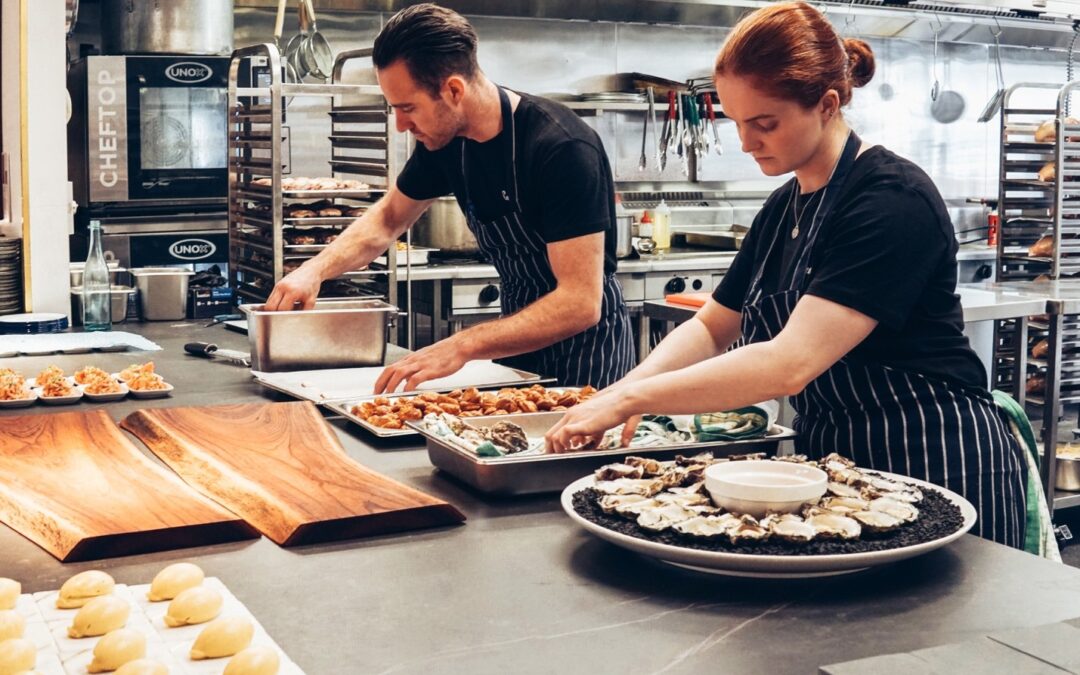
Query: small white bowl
[(758, 487), (151, 393)]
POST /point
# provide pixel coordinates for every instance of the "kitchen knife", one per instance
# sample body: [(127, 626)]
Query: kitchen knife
[(211, 350)]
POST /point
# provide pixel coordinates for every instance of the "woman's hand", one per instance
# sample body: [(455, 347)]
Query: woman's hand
[(586, 422)]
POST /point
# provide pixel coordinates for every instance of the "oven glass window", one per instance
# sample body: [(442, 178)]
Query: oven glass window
[(182, 128)]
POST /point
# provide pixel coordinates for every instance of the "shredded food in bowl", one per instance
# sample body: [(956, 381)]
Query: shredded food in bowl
[(13, 386), (91, 374), (103, 386), (56, 387), (147, 381), (135, 370), (50, 373)]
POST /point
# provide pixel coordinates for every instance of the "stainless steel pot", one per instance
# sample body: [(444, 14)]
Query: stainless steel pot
[(624, 236), (443, 226), (167, 26)]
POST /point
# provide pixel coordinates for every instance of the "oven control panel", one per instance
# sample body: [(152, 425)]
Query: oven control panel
[(659, 284)]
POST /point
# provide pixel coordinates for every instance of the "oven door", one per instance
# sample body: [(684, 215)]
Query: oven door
[(177, 145)]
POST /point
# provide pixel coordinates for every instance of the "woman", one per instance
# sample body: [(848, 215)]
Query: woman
[(843, 292)]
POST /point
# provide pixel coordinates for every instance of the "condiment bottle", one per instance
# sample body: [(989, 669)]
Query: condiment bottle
[(646, 243), (662, 226)]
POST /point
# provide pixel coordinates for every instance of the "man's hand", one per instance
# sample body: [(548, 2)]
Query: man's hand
[(297, 290), (439, 360)]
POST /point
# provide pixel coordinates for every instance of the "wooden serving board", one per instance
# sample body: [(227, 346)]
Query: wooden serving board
[(281, 468), (76, 486)]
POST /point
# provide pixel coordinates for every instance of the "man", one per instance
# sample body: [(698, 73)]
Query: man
[(536, 188)]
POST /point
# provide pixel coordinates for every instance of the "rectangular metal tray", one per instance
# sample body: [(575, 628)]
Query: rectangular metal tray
[(335, 334), (529, 474), (343, 408)]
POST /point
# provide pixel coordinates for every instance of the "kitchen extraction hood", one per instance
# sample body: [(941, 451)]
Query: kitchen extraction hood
[(1023, 23)]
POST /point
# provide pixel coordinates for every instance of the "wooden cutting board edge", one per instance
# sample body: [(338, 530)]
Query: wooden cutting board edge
[(70, 544), (170, 451), (437, 513)]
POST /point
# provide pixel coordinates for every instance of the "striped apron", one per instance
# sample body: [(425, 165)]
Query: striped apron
[(892, 420), (600, 355)]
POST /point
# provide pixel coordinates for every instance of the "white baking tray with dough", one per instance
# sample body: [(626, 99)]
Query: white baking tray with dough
[(194, 626)]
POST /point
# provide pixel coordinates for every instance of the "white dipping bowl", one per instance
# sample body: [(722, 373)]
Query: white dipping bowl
[(759, 487)]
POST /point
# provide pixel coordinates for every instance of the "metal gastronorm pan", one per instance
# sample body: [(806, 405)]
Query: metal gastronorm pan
[(510, 475)]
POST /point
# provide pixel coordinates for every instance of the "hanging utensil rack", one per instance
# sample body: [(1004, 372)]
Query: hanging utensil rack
[(260, 226)]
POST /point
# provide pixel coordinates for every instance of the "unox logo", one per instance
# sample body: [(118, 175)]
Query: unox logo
[(192, 249), (188, 72)]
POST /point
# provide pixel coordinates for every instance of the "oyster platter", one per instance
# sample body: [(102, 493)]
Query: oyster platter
[(864, 518)]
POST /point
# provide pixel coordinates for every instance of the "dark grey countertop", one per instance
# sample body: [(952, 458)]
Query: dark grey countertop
[(519, 588)]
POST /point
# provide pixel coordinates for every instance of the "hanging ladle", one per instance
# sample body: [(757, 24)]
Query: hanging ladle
[(995, 101), (935, 89)]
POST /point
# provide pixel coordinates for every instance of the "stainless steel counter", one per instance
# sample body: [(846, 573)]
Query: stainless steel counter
[(520, 589)]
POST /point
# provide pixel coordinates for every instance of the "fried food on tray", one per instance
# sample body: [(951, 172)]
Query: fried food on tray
[(90, 374), (389, 413)]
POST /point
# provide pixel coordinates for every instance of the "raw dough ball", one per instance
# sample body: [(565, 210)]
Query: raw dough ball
[(143, 667), (83, 586), (17, 655), (9, 592), (170, 581), (195, 605), (223, 637), (262, 660), (99, 616), (117, 648), (12, 624)]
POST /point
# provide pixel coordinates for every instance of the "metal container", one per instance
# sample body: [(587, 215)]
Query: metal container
[(162, 292), (335, 334), (624, 236), (120, 296), (443, 226), (172, 27), (1067, 476), (519, 475), (118, 276)]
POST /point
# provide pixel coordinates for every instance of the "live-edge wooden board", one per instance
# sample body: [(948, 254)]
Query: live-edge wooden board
[(73, 484), (281, 468)]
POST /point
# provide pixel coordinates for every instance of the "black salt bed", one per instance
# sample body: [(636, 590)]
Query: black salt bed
[(938, 517)]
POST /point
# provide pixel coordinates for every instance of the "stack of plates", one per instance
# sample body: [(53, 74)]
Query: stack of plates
[(11, 299), (613, 97), (33, 323)]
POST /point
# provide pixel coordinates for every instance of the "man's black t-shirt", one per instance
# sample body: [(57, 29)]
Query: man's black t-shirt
[(887, 250), (564, 180)]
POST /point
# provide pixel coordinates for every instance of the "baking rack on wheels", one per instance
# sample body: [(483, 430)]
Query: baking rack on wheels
[(277, 220), (1038, 360)]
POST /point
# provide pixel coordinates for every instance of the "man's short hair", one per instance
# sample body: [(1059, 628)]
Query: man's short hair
[(432, 41)]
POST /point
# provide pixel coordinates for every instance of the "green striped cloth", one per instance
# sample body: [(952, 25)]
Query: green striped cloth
[(1039, 538)]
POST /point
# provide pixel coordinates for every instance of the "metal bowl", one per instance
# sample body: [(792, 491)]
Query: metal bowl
[(1067, 476)]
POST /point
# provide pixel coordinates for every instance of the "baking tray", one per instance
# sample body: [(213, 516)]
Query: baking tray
[(517, 475), (344, 408), (725, 241), (416, 255), (325, 385)]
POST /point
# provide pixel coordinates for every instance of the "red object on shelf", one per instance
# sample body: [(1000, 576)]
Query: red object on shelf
[(993, 225)]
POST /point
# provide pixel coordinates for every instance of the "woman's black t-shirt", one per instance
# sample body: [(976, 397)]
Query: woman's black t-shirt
[(887, 250)]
